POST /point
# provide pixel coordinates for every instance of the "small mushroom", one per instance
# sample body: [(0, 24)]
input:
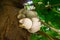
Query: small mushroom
[(31, 14), (21, 13), (26, 22)]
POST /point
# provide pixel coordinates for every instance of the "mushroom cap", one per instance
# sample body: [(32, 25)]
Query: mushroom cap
[(31, 14), (26, 22), (35, 19), (35, 27)]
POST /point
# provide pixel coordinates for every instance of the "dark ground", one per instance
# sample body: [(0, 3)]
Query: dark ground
[(9, 29)]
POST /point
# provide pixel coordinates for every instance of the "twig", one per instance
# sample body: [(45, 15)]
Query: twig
[(51, 27), (45, 35)]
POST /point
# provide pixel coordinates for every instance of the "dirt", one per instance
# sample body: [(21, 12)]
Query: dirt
[(9, 29)]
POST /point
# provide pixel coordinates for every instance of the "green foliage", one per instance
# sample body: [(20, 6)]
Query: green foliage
[(48, 14), (51, 14), (38, 37), (48, 31)]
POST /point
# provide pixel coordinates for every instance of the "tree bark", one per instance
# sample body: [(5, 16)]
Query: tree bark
[(9, 29)]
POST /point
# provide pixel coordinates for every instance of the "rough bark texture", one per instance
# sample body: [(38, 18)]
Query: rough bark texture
[(9, 29)]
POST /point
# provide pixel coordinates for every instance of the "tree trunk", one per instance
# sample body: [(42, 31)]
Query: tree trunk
[(9, 29)]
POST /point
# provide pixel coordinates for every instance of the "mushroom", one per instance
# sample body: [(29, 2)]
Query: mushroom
[(31, 14), (26, 22), (35, 26)]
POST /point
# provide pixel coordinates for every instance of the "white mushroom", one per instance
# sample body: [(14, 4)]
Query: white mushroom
[(27, 23), (35, 27)]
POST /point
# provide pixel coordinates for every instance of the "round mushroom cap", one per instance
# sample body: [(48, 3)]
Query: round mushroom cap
[(26, 22), (35, 27)]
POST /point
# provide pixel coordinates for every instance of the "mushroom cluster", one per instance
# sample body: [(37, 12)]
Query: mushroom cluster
[(31, 23)]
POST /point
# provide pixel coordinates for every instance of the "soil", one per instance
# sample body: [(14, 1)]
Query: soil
[(9, 29)]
